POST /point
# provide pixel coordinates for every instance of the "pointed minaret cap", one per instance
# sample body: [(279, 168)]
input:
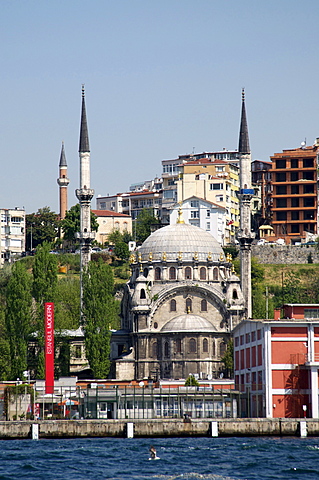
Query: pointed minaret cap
[(243, 146), (62, 157), (84, 136)]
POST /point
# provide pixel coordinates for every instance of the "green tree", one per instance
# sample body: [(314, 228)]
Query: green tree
[(100, 311), (42, 226), (228, 359), (67, 303), (143, 224), (71, 223), (45, 280), (121, 251), (191, 381), (18, 318), (5, 360)]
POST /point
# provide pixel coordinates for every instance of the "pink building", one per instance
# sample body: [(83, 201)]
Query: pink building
[(277, 362)]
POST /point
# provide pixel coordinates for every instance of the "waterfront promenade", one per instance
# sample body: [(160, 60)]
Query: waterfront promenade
[(158, 428)]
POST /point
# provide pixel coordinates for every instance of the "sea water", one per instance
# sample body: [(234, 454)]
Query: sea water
[(180, 459)]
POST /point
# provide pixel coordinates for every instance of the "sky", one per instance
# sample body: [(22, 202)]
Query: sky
[(162, 78)]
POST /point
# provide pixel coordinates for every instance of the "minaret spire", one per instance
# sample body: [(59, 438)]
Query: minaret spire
[(63, 183), (84, 194), (246, 193)]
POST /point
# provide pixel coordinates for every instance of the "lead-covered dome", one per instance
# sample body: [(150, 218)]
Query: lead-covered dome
[(188, 323), (181, 241)]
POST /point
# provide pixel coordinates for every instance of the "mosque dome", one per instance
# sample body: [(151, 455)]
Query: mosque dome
[(188, 323), (181, 241)]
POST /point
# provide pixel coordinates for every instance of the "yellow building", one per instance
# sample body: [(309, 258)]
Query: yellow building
[(216, 181), (109, 221)]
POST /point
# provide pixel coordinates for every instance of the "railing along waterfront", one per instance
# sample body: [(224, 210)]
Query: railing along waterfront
[(96, 401)]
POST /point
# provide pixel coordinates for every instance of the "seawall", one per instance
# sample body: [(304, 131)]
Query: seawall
[(158, 428)]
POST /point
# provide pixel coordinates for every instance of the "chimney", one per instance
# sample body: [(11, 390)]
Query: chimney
[(277, 313)]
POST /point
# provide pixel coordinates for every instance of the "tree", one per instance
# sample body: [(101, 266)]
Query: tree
[(228, 359), (100, 311), (191, 382), (71, 223), (42, 226), (45, 280), (121, 251), (18, 318), (143, 224)]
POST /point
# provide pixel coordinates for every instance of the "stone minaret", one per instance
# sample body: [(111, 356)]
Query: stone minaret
[(63, 183), (84, 193), (245, 236)]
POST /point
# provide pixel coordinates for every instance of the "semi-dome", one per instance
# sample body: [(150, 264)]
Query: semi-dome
[(181, 241), (188, 323)]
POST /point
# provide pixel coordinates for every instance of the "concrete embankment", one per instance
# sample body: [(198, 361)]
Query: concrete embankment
[(157, 428)]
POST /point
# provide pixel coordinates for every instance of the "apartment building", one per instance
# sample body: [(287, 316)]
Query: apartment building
[(295, 193), (132, 203), (261, 178), (12, 233)]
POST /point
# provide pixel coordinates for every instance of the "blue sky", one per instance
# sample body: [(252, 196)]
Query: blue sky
[(162, 78)]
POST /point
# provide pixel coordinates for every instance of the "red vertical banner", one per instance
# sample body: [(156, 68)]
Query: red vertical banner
[(49, 346)]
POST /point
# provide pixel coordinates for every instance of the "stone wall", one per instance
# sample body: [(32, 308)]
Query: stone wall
[(158, 428), (285, 254)]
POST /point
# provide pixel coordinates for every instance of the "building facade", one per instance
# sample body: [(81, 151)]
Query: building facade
[(179, 307), (108, 222), (12, 233), (295, 193), (277, 363)]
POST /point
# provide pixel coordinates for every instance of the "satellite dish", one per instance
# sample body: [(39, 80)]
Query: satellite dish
[(141, 384), (210, 376)]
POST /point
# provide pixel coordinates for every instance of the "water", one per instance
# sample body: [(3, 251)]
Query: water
[(180, 459)]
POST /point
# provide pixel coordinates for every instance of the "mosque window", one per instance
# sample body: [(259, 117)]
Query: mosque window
[(203, 305), (205, 345), (145, 272), (172, 273), (155, 324), (202, 273), (188, 305), (154, 350), (178, 345), (166, 349), (157, 273), (173, 305), (142, 294), (215, 273), (192, 345), (235, 295), (222, 349), (214, 348), (188, 273)]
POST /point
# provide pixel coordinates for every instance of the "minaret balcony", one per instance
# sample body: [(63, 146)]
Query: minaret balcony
[(84, 194), (63, 181)]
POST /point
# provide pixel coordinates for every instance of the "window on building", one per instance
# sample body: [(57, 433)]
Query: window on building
[(280, 163), (309, 202), (295, 228), (216, 186), (295, 189), (308, 175), (214, 348), (178, 345), (281, 202), (309, 189), (173, 305), (188, 273), (194, 203), (295, 202), (192, 345), (294, 176), (166, 349), (188, 305), (311, 313), (208, 213), (203, 305), (78, 351), (202, 273), (280, 177), (157, 273), (294, 163), (281, 215), (281, 190), (208, 226), (205, 345), (154, 350), (215, 273), (307, 162), (222, 349), (295, 215), (172, 273), (235, 295), (194, 214), (142, 294)]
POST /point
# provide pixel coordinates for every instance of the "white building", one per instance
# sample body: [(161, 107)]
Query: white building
[(12, 233), (202, 213)]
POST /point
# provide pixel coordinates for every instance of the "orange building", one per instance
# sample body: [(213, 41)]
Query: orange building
[(294, 196), (277, 362)]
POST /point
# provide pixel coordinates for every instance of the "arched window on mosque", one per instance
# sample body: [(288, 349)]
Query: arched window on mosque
[(214, 349), (157, 273), (172, 273), (188, 305), (178, 345), (202, 273), (145, 272), (215, 273), (166, 349), (222, 349), (188, 273), (235, 294), (192, 345), (142, 294), (205, 345), (203, 305), (154, 350), (173, 305)]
